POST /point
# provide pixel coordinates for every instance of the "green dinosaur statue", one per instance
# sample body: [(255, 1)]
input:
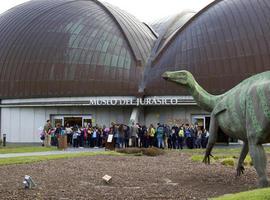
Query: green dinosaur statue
[(242, 113)]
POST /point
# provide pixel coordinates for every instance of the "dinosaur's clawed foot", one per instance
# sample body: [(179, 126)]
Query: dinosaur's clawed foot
[(240, 170), (206, 158)]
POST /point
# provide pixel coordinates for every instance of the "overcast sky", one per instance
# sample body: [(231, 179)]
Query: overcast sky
[(145, 10)]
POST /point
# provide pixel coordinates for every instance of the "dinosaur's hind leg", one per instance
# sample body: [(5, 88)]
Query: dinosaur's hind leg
[(259, 161), (240, 168)]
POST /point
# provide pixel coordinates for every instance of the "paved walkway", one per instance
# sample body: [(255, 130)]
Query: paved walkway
[(45, 153)]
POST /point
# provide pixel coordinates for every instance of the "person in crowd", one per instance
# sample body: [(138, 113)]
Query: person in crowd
[(174, 136), (121, 136), (81, 138), (47, 132), (206, 137), (144, 137), (57, 134), (100, 137), (160, 135), (151, 135), (193, 132), (42, 137), (75, 136), (188, 136), (69, 133), (127, 136), (85, 128), (105, 133), (199, 138), (170, 139), (166, 135), (95, 136), (140, 136), (196, 129), (134, 134), (181, 137), (116, 135), (89, 136)]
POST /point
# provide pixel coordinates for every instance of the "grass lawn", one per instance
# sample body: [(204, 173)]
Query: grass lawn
[(221, 150), (225, 156), (259, 194), (25, 149), (31, 159), (218, 153)]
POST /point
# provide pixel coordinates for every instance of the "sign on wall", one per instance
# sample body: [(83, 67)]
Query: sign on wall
[(100, 101)]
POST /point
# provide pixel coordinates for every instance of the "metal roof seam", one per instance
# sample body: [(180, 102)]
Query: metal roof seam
[(102, 5), (186, 24)]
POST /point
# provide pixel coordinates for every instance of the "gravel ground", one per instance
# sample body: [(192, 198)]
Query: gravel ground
[(170, 176)]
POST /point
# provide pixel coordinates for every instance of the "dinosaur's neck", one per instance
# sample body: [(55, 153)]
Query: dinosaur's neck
[(203, 98)]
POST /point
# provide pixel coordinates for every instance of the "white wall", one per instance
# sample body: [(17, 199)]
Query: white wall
[(22, 124), (171, 115)]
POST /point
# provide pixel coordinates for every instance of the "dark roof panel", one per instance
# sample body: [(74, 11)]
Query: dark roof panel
[(222, 45), (71, 48)]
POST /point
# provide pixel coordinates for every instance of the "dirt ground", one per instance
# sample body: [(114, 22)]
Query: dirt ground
[(170, 176)]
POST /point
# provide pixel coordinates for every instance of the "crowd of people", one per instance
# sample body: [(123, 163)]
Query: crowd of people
[(136, 135)]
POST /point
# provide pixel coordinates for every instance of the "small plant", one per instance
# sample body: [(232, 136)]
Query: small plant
[(248, 161), (228, 161), (197, 158)]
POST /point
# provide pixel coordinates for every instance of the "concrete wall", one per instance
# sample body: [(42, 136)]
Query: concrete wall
[(171, 114), (22, 124)]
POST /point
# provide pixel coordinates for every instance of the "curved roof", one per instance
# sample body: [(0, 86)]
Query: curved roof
[(223, 44), (71, 48), (166, 27)]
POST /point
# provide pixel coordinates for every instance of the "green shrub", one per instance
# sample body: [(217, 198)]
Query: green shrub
[(227, 161), (197, 158), (129, 150), (248, 161), (152, 151)]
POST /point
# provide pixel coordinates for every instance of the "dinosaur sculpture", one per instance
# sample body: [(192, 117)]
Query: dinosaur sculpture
[(242, 113)]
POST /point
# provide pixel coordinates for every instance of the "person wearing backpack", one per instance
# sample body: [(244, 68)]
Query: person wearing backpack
[(188, 136), (160, 135)]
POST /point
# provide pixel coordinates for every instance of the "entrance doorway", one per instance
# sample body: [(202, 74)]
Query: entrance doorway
[(203, 121), (73, 121)]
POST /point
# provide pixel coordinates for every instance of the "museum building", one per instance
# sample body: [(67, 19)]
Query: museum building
[(86, 61)]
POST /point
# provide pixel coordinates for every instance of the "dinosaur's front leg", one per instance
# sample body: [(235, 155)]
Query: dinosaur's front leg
[(213, 131), (240, 167)]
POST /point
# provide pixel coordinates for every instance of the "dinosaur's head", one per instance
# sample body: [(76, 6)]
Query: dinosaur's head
[(180, 77)]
